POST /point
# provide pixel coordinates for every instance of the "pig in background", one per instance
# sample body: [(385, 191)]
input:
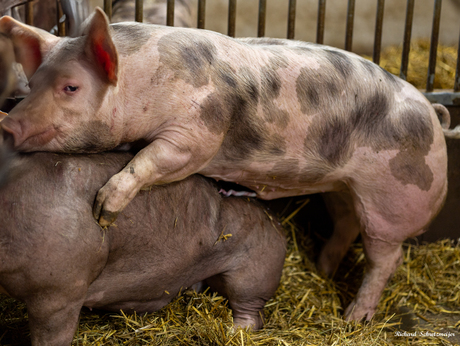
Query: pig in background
[(56, 259)]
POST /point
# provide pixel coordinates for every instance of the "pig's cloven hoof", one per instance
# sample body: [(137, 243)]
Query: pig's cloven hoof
[(356, 313), (104, 217)]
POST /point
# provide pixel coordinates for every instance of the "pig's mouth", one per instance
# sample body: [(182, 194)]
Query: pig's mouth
[(38, 140)]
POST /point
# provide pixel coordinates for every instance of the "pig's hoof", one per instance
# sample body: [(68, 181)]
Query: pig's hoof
[(104, 217), (107, 218), (356, 313), (250, 322)]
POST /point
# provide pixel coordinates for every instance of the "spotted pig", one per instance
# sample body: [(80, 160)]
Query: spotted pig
[(282, 118)]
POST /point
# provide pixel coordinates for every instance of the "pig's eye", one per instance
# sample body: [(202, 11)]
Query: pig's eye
[(70, 89)]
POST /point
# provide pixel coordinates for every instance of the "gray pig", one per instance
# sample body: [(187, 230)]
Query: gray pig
[(281, 117), (56, 258)]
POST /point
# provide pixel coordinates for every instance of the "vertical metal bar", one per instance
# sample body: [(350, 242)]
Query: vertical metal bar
[(291, 19), (350, 19), (139, 11), (433, 45), (201, 13), (262, 15), (29, 13), (60, 22), (108, 8), (457, 70), (407, 36), (378, 31), (321, 18), (231, 18), (170, 13)]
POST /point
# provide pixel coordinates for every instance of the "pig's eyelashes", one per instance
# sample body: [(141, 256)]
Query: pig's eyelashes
[(70, 89)]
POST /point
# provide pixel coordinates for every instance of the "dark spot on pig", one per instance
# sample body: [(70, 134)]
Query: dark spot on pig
[(213, 114), (414, 140), (285, 169), (188, 55), (335, 141), (315, 89), (131, 170), (341, 62), (228, 79), (409, 167), (129, 39), (276, 145), (369, 117), (270, 86), (370, 67), (392, 79), (145, 109)]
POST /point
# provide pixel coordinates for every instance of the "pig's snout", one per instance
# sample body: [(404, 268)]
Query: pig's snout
[(11, 132)]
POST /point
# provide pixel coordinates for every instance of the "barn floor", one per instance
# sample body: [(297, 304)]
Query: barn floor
[(421, 305)]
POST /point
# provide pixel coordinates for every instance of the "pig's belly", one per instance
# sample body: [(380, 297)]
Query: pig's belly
[(272, 189)]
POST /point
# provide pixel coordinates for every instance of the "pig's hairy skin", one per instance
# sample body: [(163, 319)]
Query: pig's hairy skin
[(281, 117), (57, 259)]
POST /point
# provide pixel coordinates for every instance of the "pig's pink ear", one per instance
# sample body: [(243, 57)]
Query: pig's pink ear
[(30, 44), (99, 45)]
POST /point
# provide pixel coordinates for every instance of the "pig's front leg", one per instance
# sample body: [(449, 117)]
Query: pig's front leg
[(160, 162)]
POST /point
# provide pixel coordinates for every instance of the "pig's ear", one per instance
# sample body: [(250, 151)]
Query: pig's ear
[(30, 44), (99, 45)]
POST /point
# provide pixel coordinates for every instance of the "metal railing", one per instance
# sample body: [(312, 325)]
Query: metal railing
[(444, 97)]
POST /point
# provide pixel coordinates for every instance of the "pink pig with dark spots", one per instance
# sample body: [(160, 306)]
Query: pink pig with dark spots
[(281, 117)]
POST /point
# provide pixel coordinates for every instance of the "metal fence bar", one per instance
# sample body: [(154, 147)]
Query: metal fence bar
[(378, 32), (30, 13), (170, 13), (291, 19), (349, 30), (433, 45), (108, 8), (201, 14), (262, 15), (321, 20), (231, 18), (407, 36), (59, 15), (457, 70), (139, 11)]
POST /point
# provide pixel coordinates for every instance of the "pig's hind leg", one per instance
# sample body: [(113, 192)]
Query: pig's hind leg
[(346, 229), (389, 214), (252, 283)]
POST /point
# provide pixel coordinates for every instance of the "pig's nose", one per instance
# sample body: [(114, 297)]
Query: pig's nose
[(11, 131)]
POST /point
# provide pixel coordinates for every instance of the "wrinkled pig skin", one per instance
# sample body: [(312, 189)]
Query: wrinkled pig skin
[(57, 259), (281, 117)]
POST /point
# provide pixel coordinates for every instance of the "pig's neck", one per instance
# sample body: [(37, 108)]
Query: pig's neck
[(135, 106)]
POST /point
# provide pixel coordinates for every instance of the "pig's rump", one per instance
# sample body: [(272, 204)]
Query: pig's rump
[(56, 258)]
